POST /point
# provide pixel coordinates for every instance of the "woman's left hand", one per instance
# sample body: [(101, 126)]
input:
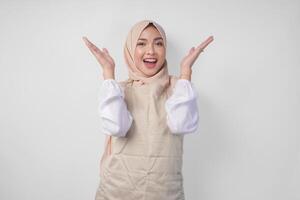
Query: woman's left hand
[(188, 61)]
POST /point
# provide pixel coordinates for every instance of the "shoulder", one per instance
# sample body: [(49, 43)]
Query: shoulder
[(124, 83), (172, 82), (173, 79)]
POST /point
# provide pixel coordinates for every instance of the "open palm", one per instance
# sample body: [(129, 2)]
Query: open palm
[(103, 57), (193, 54)]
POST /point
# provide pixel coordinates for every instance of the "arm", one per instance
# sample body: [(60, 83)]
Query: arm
[(116, 119), (182, 109)]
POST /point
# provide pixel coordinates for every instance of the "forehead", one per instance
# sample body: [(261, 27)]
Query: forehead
[(150, 32)]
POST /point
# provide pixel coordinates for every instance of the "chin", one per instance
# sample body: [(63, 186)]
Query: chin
[(151, 72)]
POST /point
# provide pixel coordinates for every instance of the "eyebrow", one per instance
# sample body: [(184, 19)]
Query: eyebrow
[(157, 38)]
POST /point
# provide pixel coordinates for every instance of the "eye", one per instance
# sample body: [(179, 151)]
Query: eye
[(159, 43), (140, 43)]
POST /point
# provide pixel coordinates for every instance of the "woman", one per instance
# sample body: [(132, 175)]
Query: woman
[(145, 118)]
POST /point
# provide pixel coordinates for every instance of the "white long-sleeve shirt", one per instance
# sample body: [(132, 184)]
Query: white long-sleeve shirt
[(181, 108)]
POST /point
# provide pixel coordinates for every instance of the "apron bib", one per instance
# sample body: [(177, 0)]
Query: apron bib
[(146, 164)]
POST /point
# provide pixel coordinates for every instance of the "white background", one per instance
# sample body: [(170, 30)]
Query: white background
[(248, 143)]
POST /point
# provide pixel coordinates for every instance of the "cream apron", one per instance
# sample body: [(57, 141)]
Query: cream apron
[(146, 164)]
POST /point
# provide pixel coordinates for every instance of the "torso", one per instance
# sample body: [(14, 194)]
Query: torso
[(147, 162)]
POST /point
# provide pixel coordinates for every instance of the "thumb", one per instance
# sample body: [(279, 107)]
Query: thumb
[(192, 50), (105, 50)]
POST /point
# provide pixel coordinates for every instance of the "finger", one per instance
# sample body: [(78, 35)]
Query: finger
[(86, 41), (84, 38), (192, 50), (99, 55), (195, 52), (206, 42), (107, 54), (105, 51), (90, 44), (96, 52), (93, 48)]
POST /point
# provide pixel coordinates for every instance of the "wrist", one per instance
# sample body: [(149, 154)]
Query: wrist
[(186, 76), (108, 75), (186, 73)]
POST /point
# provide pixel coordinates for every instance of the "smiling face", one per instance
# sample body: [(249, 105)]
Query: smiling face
[(150, 51)]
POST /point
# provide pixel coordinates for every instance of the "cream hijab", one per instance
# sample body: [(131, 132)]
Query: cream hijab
[(133, 72)]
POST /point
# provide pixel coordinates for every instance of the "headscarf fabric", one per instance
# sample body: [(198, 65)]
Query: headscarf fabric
[(129, 48)]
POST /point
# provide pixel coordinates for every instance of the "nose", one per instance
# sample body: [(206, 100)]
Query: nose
[(150, 49)]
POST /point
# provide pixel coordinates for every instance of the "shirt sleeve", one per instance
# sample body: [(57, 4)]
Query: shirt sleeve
[(182, 109), (112, 109)]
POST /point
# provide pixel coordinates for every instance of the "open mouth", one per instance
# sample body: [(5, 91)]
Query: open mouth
[(150, 62)]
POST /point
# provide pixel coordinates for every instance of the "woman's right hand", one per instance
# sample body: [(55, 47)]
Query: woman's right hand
[(103, 57)]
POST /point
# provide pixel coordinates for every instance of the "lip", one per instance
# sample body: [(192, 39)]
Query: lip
[(150, 65), (150, 58)]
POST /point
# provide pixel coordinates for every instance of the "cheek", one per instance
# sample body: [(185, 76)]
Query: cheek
[(162, 54), (138, 55)]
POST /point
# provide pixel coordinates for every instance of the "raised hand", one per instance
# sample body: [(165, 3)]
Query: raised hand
[(188, 61), (106, 61)]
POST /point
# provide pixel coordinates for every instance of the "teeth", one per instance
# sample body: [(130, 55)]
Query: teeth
[(150, 60)]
